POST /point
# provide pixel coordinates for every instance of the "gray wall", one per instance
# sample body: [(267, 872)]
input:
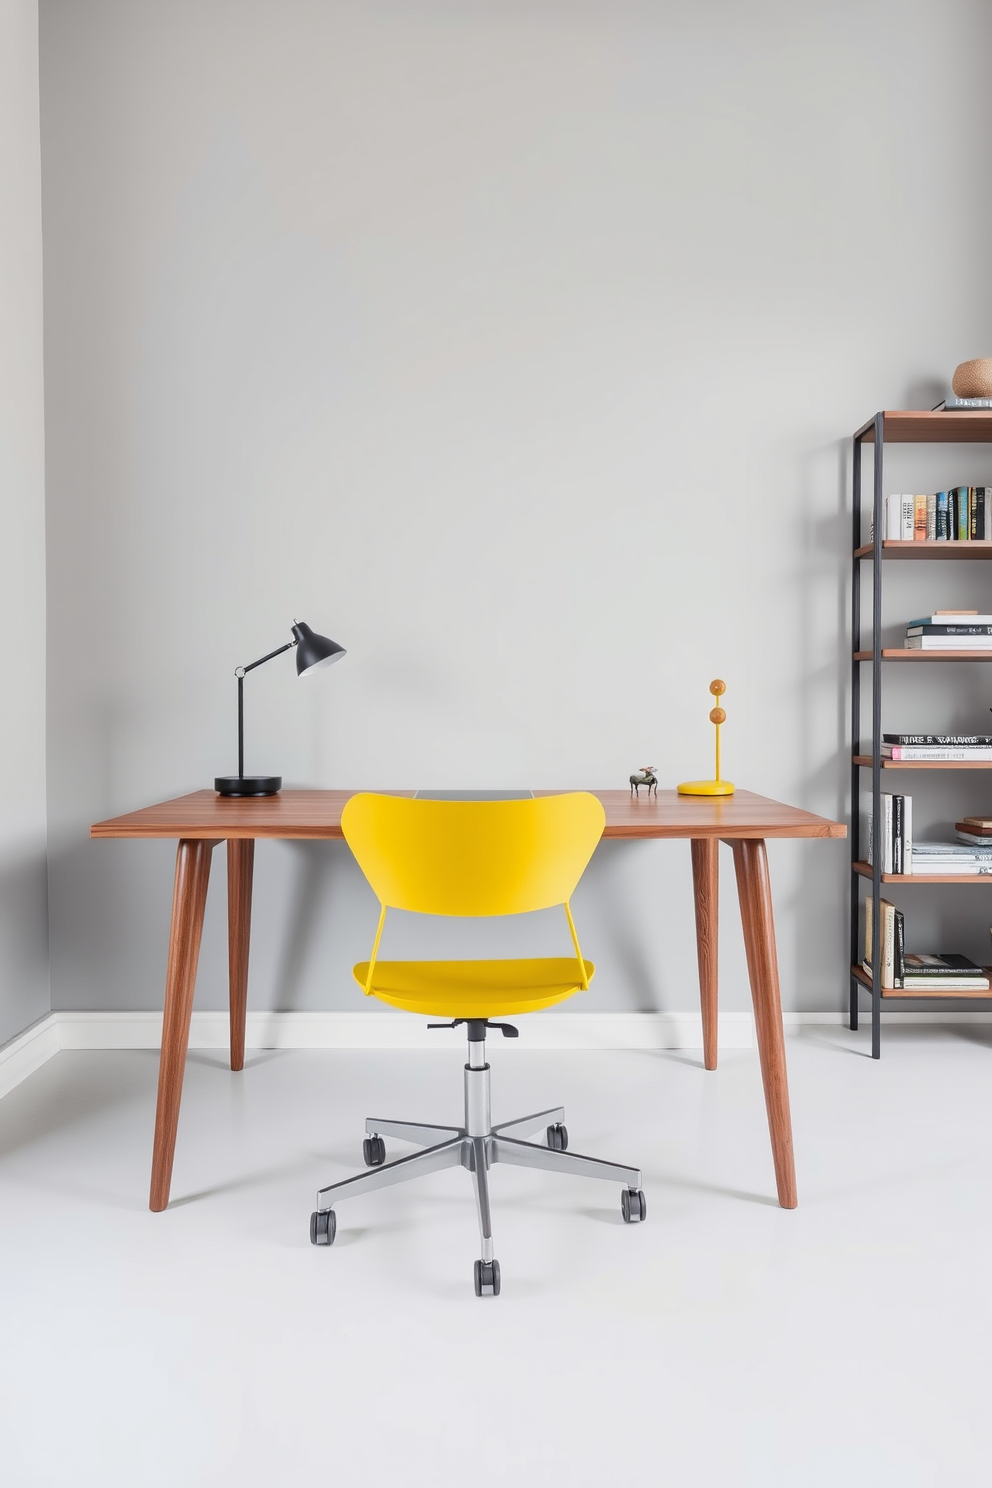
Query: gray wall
[(516, 346), (23, 887)]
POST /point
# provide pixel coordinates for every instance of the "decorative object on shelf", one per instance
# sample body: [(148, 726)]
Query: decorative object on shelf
[(646, 777), (313, 653), (973, 379), (716, 786)]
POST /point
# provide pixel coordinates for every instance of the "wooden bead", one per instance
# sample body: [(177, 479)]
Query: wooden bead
[(717, 715), (718, 688)]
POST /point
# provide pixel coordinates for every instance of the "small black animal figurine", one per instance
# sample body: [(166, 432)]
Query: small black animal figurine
[(646, 777)]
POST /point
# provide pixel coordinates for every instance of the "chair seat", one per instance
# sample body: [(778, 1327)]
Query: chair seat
[(474, 989)]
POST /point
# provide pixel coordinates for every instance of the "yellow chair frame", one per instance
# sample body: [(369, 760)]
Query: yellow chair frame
[(473, 858)]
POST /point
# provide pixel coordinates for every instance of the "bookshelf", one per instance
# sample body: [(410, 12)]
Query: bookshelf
[(869, 563)]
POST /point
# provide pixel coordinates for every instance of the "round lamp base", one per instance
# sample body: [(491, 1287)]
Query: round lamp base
[(248, 785), (706, 788)]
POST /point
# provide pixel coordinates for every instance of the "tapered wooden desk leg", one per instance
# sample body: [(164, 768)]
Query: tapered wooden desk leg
[(240, 862), (188, 901), (706, 887), (754, 891)]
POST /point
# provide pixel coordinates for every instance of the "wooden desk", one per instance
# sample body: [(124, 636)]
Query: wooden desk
[(201, 820)]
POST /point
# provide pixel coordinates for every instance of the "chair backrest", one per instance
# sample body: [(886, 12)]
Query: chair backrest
[(473, 857)]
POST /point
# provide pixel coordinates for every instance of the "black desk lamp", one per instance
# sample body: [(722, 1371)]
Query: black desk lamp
[(313, 652)]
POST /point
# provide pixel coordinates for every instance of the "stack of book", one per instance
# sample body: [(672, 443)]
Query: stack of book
[(955, 858), (896, 836), (950, 630), (923, 747), (917, 971), (970, 855), (976, 831), (962, 514), (893, 942), (947, 973)]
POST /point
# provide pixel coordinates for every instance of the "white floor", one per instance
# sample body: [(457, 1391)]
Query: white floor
[(724, 1342)]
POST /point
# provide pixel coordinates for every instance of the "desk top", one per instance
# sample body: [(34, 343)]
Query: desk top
[(317, 814)]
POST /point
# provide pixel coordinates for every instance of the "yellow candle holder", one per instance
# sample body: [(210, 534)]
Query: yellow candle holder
[(715, 787)]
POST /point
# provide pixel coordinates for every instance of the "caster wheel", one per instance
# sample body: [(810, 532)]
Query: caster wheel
[(374, 1152), (558, 1137), (633, 1205), (487, 1278), (322, 1227)]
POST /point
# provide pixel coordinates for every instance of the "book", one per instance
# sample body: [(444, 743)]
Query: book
[(884, 837), (976, 823), (945, 986), (975, 839), (953, 404), (948, 643), (919, 518), (908, 518), (942, 973), (936, 752), (951, 628), (888, 940), (946, 963), (961, 513), (951, 617), (956, 741), (896, 836), (977, 513), (893, 518), (943, 526), (963, 859)]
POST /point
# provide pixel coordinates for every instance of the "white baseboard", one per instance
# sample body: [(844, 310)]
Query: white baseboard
[(360, 1030), (26, 1053)]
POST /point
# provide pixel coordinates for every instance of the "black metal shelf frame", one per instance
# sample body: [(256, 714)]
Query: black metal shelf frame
[(872, 557)]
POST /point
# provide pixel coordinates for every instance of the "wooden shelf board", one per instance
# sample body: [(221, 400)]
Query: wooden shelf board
[(928, 878), (918, 426), (911, 993), (890, 764), (889, 654), (928, 550)]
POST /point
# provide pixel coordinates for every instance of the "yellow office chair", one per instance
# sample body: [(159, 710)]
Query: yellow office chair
[(473, 858)]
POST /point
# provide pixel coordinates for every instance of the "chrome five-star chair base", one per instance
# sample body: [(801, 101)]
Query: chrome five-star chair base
[(475, 1146)]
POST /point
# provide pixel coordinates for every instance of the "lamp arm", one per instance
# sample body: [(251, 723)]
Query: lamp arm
[(239, 672)]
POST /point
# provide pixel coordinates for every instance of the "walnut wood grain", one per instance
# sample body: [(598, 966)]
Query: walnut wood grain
[(890, 764), (317, 814), (189, 897), (891, 549), (240, 863), (754, 893), (892, 653), (925, 878), (706, 889), (913, 426), (928, 993)]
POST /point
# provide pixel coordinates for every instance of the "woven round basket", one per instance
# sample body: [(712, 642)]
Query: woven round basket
[(973, 379)]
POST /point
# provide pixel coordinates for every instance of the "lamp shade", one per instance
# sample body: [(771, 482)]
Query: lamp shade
[(313, 651)]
